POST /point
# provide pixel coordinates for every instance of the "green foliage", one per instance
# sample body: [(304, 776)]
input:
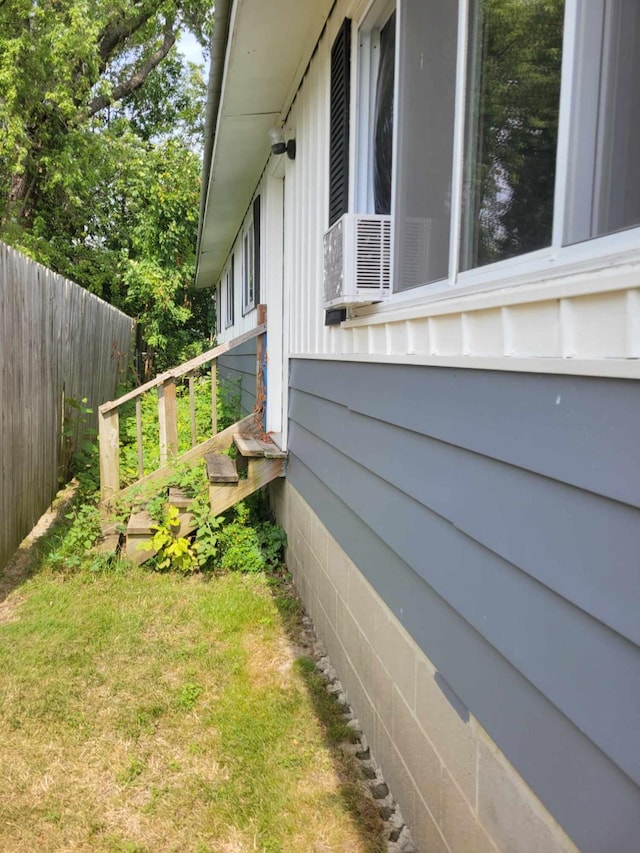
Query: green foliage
[(273, 541), (99, 179), (250, 547), (229, 400), (228, 413), (74, 543), (79, 455), (188, 695), (173, 551), (206, 545)]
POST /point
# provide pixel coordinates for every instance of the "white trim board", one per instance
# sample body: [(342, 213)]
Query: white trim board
[(612, 368)]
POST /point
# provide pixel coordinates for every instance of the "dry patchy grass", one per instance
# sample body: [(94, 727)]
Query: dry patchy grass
[(145, 712)]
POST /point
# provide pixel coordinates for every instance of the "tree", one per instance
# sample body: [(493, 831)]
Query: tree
[(99, 118), (64, 65), (159, 264)]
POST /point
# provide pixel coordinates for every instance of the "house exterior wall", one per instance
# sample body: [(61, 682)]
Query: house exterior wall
[(456, 789), (237, 377), (461, 509), (578, 316)]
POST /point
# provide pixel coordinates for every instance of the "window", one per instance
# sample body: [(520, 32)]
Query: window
[(604, 167), (428, 41), (503, 136), (382, 135), (248, 284), (513, 96), (406, 93), (218, 308), (229, 295), (251, 260)]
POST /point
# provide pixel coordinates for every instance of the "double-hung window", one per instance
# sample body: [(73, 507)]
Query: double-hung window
[(251, 259), (493, 131)]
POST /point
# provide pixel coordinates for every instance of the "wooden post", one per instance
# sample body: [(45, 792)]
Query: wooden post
[(214, 397), (167, 419), (139, 437), (261, 368), (109, 435)]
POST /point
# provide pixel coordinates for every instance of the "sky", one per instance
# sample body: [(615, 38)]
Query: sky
[(190, 49)]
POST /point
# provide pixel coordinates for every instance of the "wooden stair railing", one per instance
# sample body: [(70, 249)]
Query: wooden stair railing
[(108, 413), (260, 462)]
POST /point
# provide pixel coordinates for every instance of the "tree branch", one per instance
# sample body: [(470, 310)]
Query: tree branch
[(136, 80), (117, 32)]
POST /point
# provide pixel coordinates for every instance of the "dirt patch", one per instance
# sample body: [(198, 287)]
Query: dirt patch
[(24, 560)]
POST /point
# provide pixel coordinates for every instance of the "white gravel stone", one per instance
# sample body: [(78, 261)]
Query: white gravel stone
[(405, 842)]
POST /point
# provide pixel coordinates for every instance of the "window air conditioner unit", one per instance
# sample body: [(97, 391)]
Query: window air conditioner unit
[(357, 260)]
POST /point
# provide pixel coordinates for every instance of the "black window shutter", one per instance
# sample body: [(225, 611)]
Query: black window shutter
[(256, 250), (339, 123)]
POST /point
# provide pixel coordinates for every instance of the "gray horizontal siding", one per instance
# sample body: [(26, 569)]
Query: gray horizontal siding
[(237, 372), (520, 588), (568, 428)]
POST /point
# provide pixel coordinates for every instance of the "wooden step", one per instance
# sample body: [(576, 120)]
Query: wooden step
[(251, 445), (107, 544), (139, 534), (138, 542), (220, 468), (261, 471), (179, 498)]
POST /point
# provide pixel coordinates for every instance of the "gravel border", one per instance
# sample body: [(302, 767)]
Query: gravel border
[(396, 831)]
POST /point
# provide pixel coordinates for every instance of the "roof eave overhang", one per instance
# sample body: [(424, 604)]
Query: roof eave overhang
[(267, 50)]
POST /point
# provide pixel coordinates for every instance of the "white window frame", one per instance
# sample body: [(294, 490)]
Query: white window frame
[(555, 261), (218, 307), (248, 268), (364, 70), (229, 293)]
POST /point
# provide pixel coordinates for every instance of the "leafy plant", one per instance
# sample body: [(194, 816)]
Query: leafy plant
[(173, 551), (78, 539), (250, 547), (206, 545), (273, 541), (79, 454)]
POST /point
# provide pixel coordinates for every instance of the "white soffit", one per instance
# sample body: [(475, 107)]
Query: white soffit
[(267, 52)]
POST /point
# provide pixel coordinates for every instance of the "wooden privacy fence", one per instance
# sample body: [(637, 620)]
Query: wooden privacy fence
[(57, 342), (165, 385)]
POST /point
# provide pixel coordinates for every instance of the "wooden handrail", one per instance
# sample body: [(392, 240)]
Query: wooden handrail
[(175, 372), (108, 413)]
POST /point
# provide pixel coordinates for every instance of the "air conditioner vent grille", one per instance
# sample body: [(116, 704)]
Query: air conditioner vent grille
[(333, 261), (357, 260)]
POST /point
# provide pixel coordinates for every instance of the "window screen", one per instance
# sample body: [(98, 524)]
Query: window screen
[(426, 96)]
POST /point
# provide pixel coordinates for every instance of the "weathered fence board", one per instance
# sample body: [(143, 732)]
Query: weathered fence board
[(57, 342)]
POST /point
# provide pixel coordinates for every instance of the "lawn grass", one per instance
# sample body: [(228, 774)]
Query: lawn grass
[(148, 712)]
